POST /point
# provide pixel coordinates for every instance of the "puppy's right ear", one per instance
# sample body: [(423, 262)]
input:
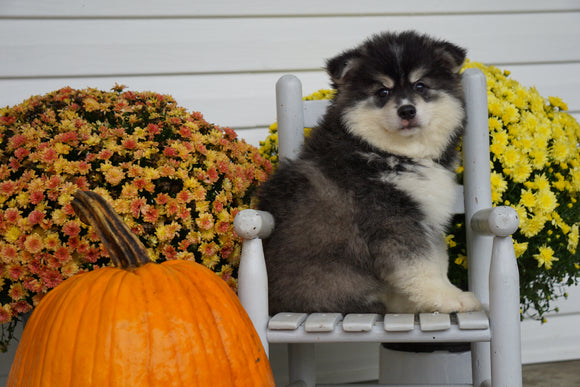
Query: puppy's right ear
[(341, 66)]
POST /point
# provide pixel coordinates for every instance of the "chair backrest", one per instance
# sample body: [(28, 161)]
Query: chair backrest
[(294, 114)]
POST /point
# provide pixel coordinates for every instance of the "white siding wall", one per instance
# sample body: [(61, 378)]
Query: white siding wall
[(222, 57)]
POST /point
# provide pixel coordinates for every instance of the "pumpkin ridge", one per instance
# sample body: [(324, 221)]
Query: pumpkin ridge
[(256, 358), (202, 310), (77, 333), (226, 324), (223, 336), (250, 345), (67, 298), (42, 318), (129, 329), (154, 285), (176, 279), (106, 329), (187, 283), (136, 291)]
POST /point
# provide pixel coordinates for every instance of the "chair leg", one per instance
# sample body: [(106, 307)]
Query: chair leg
[(506, 364), (480, 363), (302, 364)]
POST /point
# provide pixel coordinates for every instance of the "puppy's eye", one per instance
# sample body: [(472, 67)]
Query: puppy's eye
[(420, 87), (383, 92)]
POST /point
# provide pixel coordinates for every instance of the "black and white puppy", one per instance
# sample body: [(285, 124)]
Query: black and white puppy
[(360, 214)]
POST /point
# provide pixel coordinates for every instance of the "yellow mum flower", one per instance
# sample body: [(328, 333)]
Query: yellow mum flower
[(166, 232), (545, 257), (509, 113), (546, 201), (60, 165), (450, 241), (573, 239), (494, 105), (536, 101), (560, 184), (520, 248), (539, 158), (558, 103), (541, 182), (525, 143), (498, 186), (23, 198), (532, 226), (510, 157), (520, 99), (521, 172), (12, 234), (560, 150), (461, 260), (61, 148), (528, 199), (90, 104), (495, 124), (499, 141), (576, 179), (151, 173)]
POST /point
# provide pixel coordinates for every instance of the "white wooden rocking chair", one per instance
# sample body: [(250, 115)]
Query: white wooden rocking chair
[(493, 275)]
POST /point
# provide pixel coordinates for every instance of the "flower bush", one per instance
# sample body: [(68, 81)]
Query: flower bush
[(535, 165), (176, 180)]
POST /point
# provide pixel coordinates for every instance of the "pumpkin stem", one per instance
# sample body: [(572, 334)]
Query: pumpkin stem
[(125, 249)]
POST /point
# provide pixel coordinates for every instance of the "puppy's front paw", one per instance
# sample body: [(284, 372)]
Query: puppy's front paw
[(469, 303), (459, 302), (448, 300)]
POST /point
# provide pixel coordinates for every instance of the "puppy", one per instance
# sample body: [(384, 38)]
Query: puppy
[(360, 214)]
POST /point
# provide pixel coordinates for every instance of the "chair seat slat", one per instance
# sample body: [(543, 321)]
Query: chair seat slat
[(359, 322), (287, 321), (399, 322), (430, 322), (472, 320), (322, 322)]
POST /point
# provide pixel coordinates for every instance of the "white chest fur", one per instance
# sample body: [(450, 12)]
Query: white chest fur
[(430, 185)]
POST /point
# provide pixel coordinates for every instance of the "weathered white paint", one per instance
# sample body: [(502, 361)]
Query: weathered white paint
[(246, 101), (88, 47), (305, 8)]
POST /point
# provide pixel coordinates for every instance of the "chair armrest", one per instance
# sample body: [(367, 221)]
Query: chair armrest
[(252, 224), (498, 221)]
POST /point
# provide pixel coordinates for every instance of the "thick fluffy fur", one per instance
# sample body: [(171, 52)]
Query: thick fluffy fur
[(360, 214)]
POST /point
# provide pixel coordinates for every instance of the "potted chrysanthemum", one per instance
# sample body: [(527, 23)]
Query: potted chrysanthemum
[(176, 180), (535, 169)]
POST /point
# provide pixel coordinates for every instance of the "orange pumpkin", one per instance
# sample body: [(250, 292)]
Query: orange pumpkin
[(139, 323)]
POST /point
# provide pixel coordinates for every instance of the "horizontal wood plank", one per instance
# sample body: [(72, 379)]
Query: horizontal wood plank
[(221, 8), (238, 100), (245, 101), (203, 46), (556, 340)]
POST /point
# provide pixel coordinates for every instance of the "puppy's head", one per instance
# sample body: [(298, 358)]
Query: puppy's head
[(401, 93)]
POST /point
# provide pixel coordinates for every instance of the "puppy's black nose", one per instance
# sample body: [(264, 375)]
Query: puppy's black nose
[(407, 112)]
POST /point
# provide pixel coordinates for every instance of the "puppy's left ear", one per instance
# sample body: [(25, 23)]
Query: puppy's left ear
[(341, 66), (452, 56)]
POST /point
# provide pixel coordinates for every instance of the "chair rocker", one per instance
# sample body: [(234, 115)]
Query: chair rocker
[(494, 334)]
